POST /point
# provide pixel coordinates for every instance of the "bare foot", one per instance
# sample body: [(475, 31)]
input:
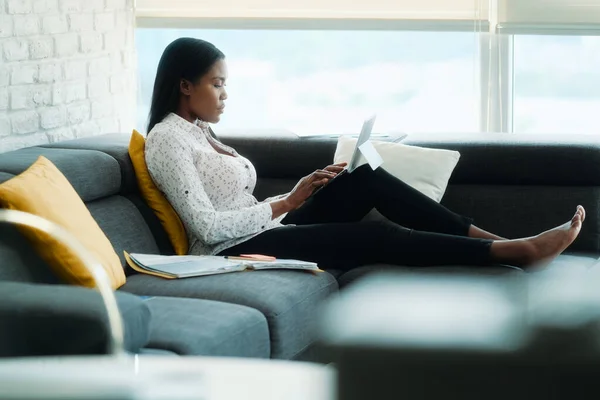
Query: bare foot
[(550, 244), (542, 248)]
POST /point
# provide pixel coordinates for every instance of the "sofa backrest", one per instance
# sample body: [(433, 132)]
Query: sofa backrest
[(102, 179), (515, 185)]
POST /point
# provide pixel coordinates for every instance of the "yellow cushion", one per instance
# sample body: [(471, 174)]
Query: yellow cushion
[(44, 191), (156, 201)]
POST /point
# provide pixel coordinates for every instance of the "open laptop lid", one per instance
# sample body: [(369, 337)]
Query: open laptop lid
[(364, 136)]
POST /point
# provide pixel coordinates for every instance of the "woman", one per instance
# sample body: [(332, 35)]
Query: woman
[(210, 186)]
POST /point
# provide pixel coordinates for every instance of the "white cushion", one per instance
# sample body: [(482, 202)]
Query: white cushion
[(427, 170)]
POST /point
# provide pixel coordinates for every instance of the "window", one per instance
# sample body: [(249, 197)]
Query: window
[(421, 65), (328, 81), (556, 84)]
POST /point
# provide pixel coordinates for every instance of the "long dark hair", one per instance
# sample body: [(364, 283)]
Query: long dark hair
[(184, 58)]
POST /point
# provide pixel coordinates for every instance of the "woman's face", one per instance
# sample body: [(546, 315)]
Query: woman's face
[(206, 98)]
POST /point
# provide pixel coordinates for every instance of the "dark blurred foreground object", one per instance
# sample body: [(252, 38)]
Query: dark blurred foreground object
[(399, 336)]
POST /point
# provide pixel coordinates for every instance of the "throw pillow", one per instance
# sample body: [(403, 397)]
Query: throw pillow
[(44, 191), (168, 217), (427, 170)]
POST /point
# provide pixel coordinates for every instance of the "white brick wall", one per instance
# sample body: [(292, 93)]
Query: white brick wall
[(44, 6), (66, 70), (19, 6), (81, 22), (52, 24)]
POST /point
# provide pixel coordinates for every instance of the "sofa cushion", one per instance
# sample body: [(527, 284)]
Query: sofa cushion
[(124, 226), (91, 173), (154, 198), (18, 263), (38, 320), (114, 145), (288, 299), (207, 328), (44, 191)]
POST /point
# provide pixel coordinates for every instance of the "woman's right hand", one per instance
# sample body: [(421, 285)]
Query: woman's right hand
[(306, 186)]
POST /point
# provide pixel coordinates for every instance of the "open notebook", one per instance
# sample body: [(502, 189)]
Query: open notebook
[(174, 267)]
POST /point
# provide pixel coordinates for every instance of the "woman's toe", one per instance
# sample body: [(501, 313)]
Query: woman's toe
[(582, 212)]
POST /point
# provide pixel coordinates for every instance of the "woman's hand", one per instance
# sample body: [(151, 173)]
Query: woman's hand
[(310, 183), (336, 168), (305, 187)]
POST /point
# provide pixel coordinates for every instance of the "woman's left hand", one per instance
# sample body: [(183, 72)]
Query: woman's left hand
[(336, 168)]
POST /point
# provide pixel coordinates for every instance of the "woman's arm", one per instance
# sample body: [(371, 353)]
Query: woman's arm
[(280, 207)]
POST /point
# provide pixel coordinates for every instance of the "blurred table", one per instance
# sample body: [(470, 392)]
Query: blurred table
[(165, 377)]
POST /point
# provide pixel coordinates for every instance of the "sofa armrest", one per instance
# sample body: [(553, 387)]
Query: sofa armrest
[(40, 320)]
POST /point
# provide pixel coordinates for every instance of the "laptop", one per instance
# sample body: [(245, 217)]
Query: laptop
[(365, 135)]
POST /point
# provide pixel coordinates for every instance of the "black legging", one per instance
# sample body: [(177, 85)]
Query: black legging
[(328, 230)]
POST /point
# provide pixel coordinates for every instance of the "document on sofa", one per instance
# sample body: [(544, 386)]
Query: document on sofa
[(174, 267)]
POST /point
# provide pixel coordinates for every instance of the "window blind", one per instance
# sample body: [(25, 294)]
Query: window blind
[(548, 16), (316, 9)]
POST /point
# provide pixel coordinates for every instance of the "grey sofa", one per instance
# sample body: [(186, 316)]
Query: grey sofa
[(515, 185)]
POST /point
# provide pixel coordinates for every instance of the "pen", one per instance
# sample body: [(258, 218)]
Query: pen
[(251, 257)]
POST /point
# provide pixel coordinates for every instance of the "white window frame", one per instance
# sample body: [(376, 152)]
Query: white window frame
[(497, 83), (312, 24)]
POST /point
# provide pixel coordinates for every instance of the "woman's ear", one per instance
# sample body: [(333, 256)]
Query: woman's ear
[(185, 87)]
